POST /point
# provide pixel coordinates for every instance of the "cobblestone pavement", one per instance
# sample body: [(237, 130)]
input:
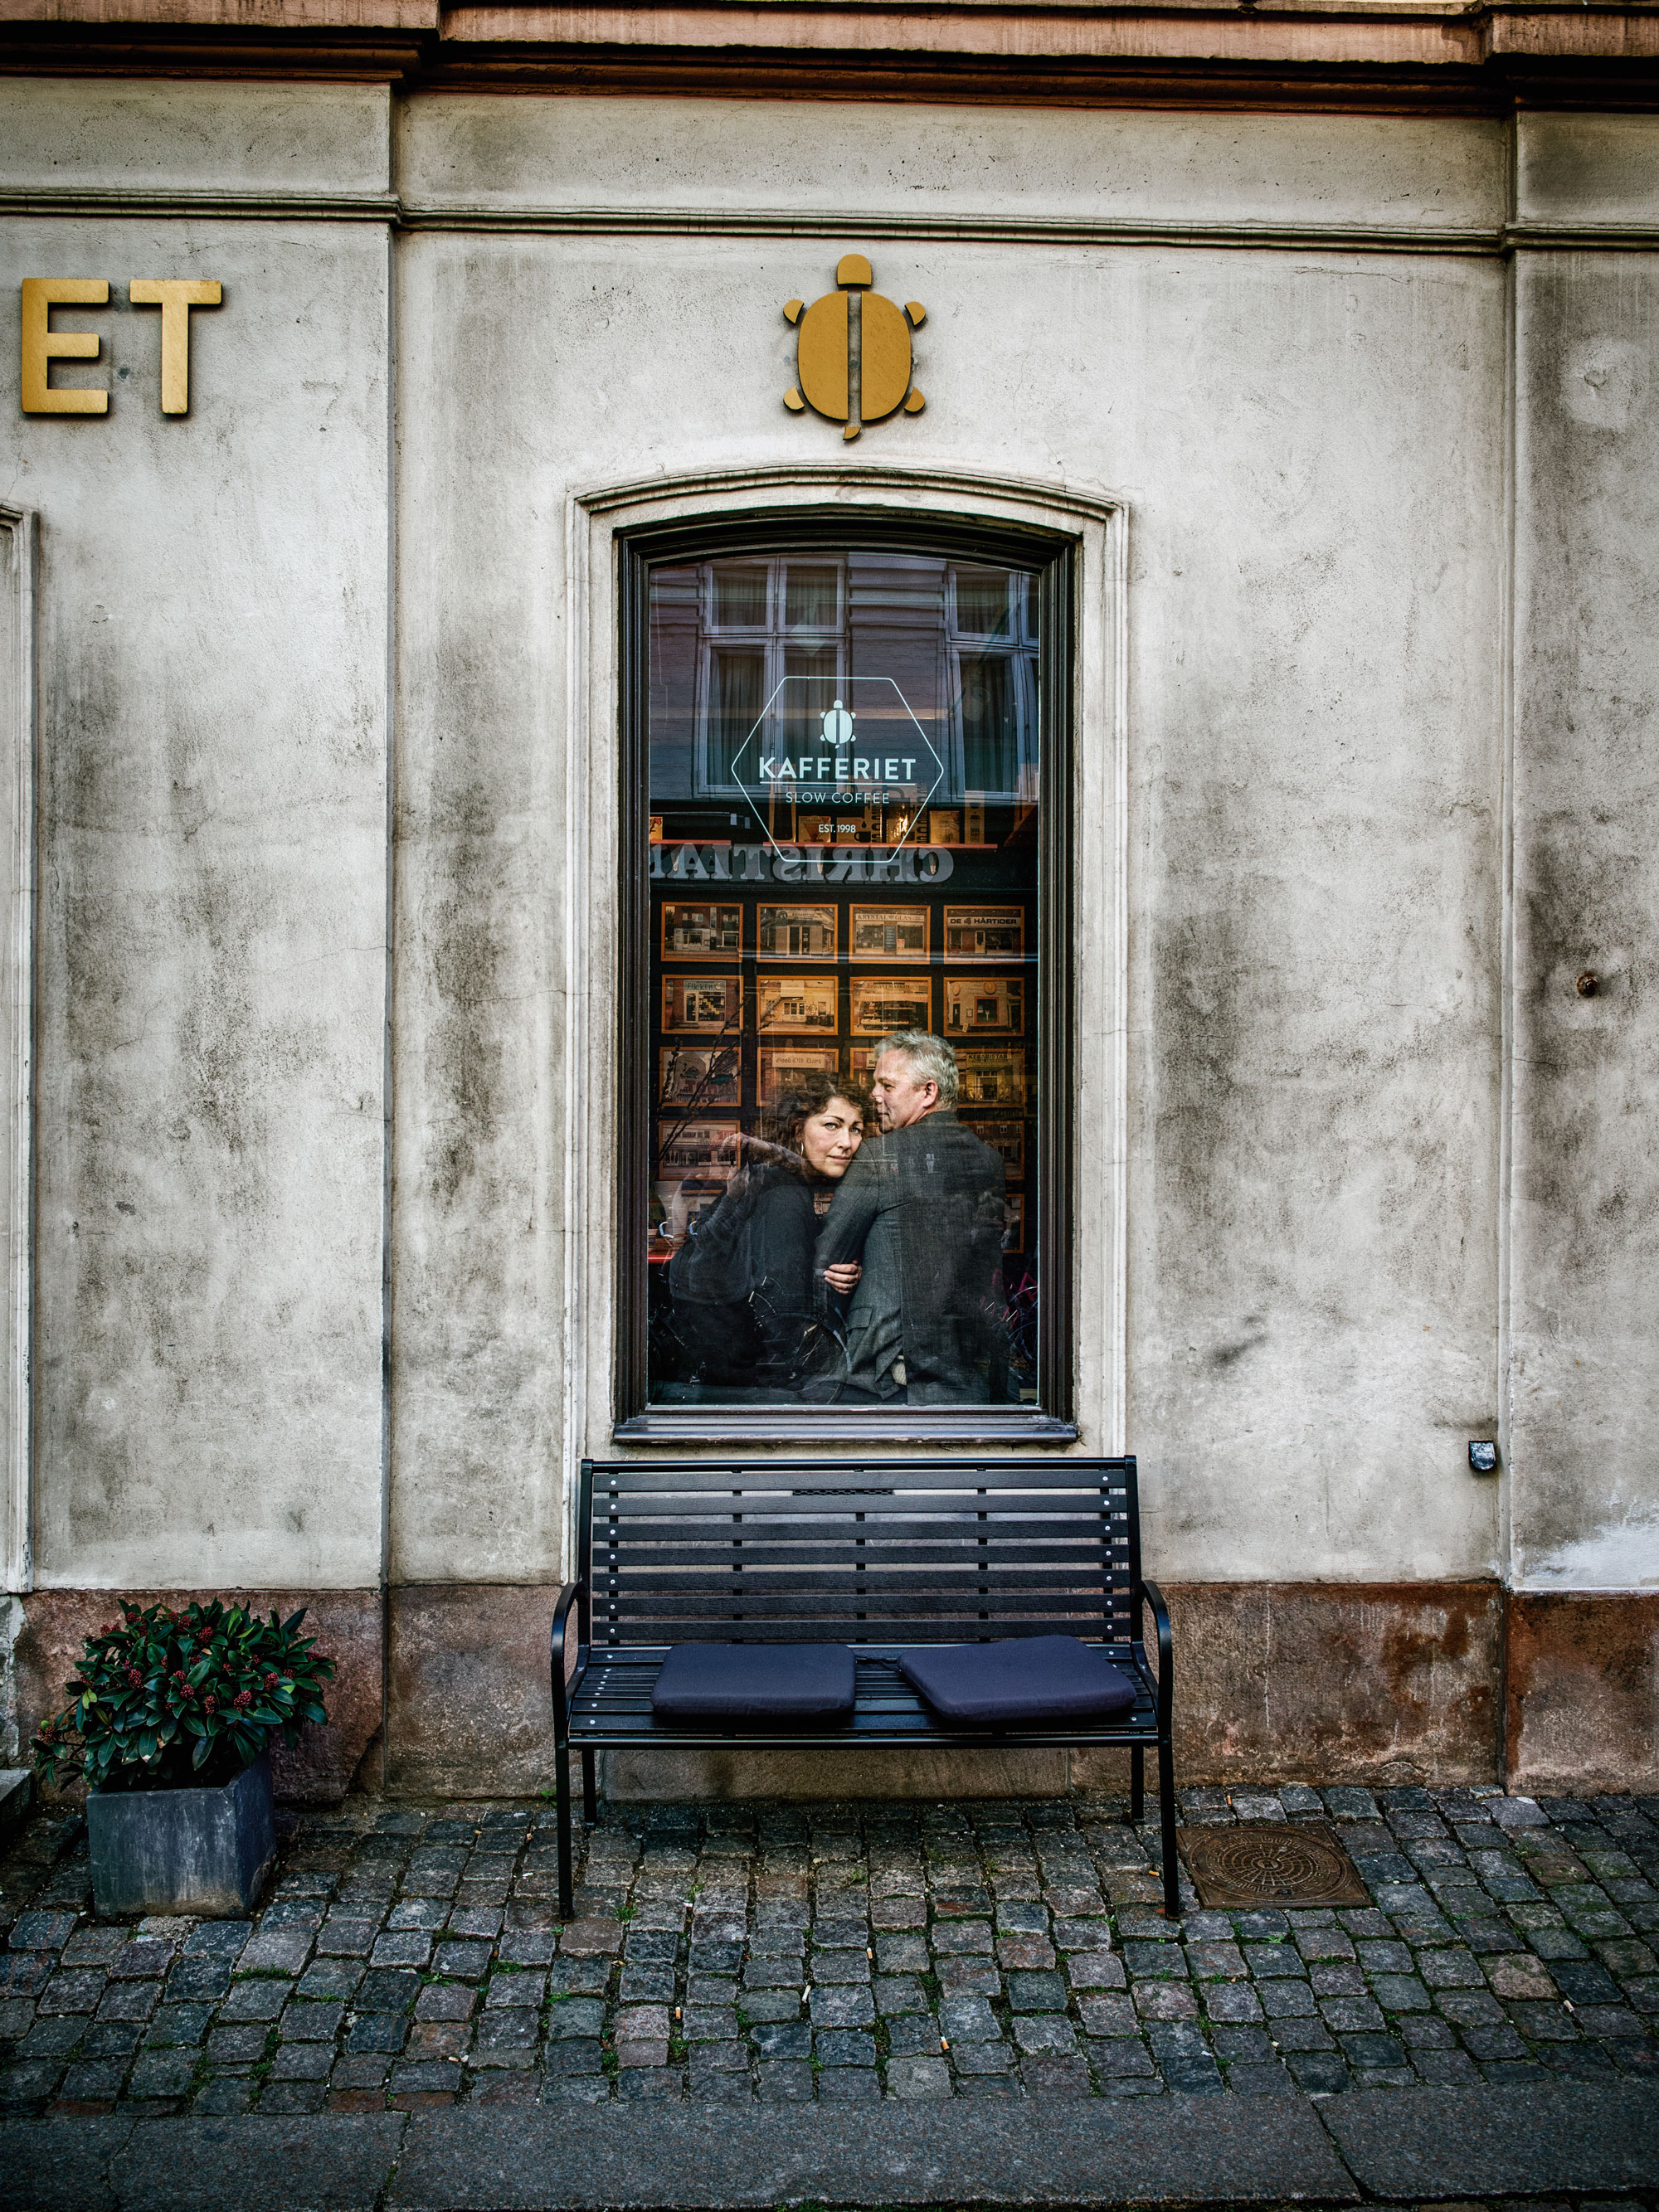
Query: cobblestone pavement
[(411, 1955)]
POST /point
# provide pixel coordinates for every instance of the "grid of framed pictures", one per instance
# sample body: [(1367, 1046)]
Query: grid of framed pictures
[(755, 990)]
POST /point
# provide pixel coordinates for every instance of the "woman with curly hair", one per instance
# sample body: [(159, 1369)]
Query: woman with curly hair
[(747, 1308)]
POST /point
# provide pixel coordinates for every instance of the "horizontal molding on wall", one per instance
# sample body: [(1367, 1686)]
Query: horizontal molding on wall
[(1035, 230), (277, 206), (59, 200)]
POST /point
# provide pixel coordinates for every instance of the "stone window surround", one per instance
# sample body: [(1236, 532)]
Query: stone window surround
[(596, 518)]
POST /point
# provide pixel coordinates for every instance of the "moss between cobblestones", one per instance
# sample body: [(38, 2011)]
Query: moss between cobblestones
[(1515, 1948)]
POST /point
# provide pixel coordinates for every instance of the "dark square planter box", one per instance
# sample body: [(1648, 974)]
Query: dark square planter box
[(183, 1850)]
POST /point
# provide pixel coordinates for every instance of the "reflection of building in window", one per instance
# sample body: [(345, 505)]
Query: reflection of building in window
[(762, 620), (992, 623)]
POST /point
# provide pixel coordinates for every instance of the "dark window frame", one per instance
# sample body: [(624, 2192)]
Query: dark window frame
[(802, 532)]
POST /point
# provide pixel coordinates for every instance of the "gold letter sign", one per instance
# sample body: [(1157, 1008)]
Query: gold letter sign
[(852, 352), (42, 344), (175, 296)]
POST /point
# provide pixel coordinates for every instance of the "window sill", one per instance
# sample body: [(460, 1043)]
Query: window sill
[(914, 1424)]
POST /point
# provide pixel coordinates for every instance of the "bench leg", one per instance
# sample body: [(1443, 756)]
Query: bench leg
[(590, 1788), (1166, 1814), (562, 1797), (1137, 1784)]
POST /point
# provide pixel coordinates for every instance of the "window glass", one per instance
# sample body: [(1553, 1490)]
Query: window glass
[(843, 982)]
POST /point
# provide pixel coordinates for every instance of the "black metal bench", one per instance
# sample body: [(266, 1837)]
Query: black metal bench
[(879, 1554)]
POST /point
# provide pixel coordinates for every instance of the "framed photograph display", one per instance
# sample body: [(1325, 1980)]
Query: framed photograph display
[(702, 1006), (984, 1005), (781, 1065), (700, 933), (697, 1148), (796, 1005), (699, 1075), (984, 932), (988, 1076), (881, 1003), (890, 932), (796, 932), (1006, 1139)]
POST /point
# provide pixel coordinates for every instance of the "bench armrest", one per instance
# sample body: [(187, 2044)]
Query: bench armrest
[(556, 1666), (1154, 1597)]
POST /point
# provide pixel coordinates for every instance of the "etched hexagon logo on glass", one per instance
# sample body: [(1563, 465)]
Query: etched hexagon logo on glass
[(838, 764)]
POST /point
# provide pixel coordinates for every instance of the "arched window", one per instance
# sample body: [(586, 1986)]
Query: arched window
[(848, 822)]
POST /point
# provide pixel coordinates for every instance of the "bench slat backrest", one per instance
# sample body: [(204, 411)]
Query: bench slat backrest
[(877, 1551)]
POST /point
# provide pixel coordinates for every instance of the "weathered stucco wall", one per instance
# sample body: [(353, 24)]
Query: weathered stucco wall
[(1585, 1474), (940, 163), (212, 833), (98, 134), (1334, 1002), (1315, 734)]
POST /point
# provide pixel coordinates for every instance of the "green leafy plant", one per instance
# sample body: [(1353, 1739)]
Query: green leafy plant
[(166, 1699)]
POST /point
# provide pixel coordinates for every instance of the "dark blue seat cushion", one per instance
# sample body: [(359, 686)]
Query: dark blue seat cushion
[(1026, 1678), (756, 1684)]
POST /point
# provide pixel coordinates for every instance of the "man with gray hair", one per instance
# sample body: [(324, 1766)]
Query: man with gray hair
[(921, 1206)]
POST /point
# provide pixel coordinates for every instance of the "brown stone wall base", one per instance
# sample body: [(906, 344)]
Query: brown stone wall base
[(346, 1624), (1582, 1692), (469, 1710), (1387, 1682), (1367, 1682), (1375, 1683)]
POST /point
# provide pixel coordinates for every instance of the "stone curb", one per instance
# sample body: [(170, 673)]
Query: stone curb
[(1197, 2147), (1533, 2142), (1394, 2144)]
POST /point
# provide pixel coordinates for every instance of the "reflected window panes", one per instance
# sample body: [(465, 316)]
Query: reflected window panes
[(739, 591), (771, 645), (844, 752), (995, 651), (812, 597)]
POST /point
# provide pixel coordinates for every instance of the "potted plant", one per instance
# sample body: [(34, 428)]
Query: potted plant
[(174, 1718)]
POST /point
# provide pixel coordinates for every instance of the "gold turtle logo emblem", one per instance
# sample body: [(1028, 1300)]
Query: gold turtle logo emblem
[(852, 352)]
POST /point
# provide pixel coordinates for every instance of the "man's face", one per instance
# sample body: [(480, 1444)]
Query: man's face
[(900, 1099)]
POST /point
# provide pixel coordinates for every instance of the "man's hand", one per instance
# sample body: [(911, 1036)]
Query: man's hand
[(843, 1276)]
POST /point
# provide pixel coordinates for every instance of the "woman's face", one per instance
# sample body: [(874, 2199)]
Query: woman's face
[(830, 1138)]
